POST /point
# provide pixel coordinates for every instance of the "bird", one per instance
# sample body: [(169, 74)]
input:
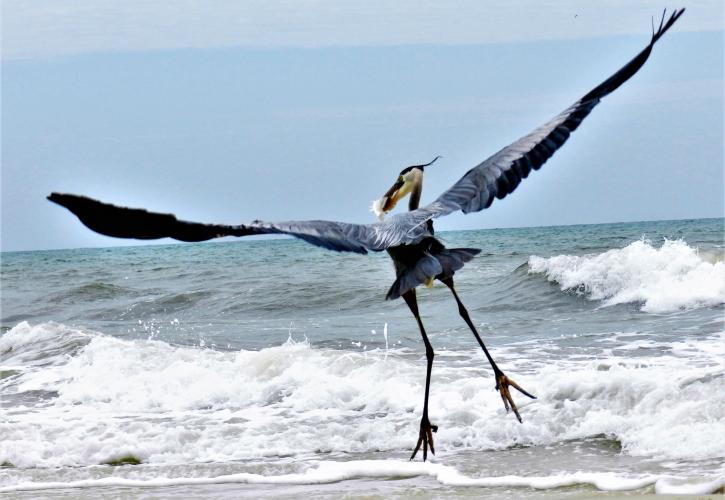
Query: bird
[(418, 256)]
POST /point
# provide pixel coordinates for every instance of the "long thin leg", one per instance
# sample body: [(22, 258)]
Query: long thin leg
[(502, 381), (425, 437)]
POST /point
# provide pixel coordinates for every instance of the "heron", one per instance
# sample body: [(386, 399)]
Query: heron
[(418, 256)]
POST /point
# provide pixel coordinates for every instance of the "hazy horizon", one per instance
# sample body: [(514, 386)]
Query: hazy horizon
[(124, 243)]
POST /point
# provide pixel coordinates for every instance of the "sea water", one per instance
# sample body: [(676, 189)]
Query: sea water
[(274, 368)]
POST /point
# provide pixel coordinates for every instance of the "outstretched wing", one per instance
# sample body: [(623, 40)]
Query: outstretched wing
[(500, 174), (496, 177), (123, 222)]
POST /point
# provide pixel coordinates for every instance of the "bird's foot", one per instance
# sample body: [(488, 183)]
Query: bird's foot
[(425, 438), (502, 386)]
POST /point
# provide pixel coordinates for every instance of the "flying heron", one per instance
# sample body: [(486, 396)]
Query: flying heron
[(419, 257)]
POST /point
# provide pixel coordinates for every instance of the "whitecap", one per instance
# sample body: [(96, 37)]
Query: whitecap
[(672, 277), (166, 404)]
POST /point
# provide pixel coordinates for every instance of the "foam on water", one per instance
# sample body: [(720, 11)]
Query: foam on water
[(167, 404), (330, 471), (43, 344), (672, 277)]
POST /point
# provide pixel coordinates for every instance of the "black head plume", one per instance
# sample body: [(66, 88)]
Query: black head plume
[(421, 167)]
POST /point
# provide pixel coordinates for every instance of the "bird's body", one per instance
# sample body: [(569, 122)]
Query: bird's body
[(418, 256), (421, 263)]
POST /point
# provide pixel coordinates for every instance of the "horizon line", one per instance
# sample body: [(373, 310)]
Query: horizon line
[(254, 238)]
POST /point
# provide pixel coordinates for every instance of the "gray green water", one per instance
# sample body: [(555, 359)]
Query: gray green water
[(275, 368)]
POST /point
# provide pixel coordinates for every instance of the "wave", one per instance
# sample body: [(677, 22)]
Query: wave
[(163, 404), (96, 290), (666, 279), (41, 345), (325, 472)]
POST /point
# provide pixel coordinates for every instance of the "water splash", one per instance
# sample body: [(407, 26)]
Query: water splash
[(663, 279)]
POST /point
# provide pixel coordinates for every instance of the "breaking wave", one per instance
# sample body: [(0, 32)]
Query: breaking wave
[(108, 398), (666, 279)]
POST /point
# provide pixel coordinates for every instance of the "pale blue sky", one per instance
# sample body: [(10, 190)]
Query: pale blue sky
[(229, 111)]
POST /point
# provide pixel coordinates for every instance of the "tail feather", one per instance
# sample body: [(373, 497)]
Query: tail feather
[(426, 268), (453, 259), (440, 263)]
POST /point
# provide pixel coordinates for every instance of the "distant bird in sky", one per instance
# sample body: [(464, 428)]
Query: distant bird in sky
[(419, 257)]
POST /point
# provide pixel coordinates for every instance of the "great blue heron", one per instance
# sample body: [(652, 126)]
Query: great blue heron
[(418, 256)]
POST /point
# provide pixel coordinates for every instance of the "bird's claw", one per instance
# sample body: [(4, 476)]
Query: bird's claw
[(502, 386), (425, 437)]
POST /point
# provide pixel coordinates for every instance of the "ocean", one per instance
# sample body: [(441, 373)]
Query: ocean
[(272, 368)]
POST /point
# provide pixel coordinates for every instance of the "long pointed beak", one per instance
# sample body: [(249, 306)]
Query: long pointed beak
[(390, 198)]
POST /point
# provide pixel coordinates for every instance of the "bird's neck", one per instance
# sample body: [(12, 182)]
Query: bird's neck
[(417, 190)]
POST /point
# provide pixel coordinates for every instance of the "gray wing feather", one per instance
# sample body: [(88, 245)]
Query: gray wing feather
[(349, 237), (124, 222), (499, 175)]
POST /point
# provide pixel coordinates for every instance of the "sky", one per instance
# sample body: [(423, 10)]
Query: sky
[(233, 111)]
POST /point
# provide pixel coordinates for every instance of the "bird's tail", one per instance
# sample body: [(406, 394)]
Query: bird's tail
[(425, 268), (440, 263), (453, 259)]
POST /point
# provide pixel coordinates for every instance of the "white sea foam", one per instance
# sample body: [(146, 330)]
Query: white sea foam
[(43, 344), (674, 276), (330, 471), (167, 405)]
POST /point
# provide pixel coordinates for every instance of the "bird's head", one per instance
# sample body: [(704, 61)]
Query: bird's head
[(410, 179)]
